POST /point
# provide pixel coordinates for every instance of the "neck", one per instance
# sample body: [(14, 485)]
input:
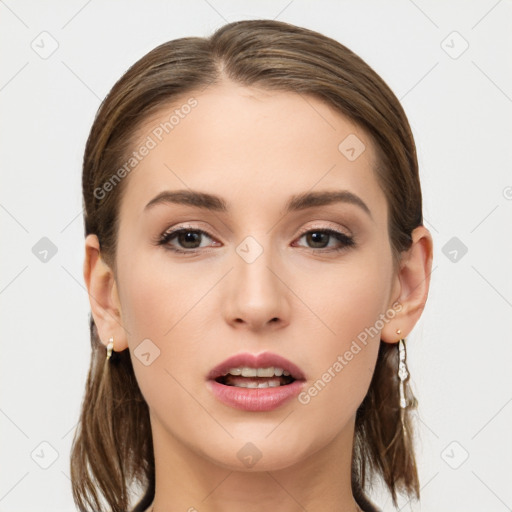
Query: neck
[(187, 481)]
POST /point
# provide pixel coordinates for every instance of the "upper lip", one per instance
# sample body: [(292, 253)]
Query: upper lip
[(263, 360)]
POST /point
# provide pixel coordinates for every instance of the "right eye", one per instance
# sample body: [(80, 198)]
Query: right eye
[(187, 238)]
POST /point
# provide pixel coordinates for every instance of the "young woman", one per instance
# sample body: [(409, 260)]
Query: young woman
[(255, 258)]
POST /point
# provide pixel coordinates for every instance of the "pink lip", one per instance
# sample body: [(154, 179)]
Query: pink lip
[(255, 399)]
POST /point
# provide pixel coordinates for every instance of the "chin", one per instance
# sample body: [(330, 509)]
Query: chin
[(259, 454)]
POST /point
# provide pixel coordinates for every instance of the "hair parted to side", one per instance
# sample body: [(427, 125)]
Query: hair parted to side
[(112, 449)]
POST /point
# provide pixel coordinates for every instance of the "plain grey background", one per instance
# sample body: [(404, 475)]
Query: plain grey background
[(448, 63)]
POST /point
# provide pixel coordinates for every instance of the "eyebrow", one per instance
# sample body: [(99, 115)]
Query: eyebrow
[(297, 202)]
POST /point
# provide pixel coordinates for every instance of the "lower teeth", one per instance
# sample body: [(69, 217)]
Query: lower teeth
[(271, 383)]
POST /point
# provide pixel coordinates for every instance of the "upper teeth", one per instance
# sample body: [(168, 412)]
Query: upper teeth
[(245, 371)]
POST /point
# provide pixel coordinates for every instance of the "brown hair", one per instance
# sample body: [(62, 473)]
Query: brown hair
[(112, 448)]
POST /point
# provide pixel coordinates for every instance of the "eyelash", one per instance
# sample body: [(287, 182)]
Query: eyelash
[(346, 241)]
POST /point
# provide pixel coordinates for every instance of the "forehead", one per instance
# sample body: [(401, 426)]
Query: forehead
[(250, 143)]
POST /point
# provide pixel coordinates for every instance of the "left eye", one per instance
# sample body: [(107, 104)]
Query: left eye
[(320, 238)]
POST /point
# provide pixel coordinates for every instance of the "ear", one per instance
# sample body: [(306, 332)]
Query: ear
[(411, 285), (103, 296)]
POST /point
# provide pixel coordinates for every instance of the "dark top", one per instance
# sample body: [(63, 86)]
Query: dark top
[(146, 500)]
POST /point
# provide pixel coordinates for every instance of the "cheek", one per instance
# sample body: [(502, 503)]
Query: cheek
[(148, 303), (351, 303), (348, 297), (342, 364), (171, 305), (154, 307), (155, 294)]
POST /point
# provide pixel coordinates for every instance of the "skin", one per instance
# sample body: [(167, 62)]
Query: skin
[(257, 148)]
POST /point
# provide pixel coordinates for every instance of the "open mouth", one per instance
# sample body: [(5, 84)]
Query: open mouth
[(256, 382), (255, 378)]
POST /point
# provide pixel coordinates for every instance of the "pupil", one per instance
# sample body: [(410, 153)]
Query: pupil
[(188, 237), (316, 236)]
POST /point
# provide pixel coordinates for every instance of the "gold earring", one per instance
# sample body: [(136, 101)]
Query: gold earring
[(110, 347)]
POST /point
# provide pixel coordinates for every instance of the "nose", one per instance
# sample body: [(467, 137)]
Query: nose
[(257, 297)]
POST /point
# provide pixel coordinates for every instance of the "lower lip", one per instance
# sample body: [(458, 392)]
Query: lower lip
[(255, 399)]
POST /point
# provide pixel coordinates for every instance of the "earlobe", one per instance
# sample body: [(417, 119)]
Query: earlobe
[(414, 282), (103, 298)]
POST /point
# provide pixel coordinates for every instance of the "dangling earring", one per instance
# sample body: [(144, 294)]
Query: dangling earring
[(110, 347), (402, 370)]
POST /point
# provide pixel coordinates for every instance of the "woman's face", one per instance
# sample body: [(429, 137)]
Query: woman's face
[(264, 277)]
